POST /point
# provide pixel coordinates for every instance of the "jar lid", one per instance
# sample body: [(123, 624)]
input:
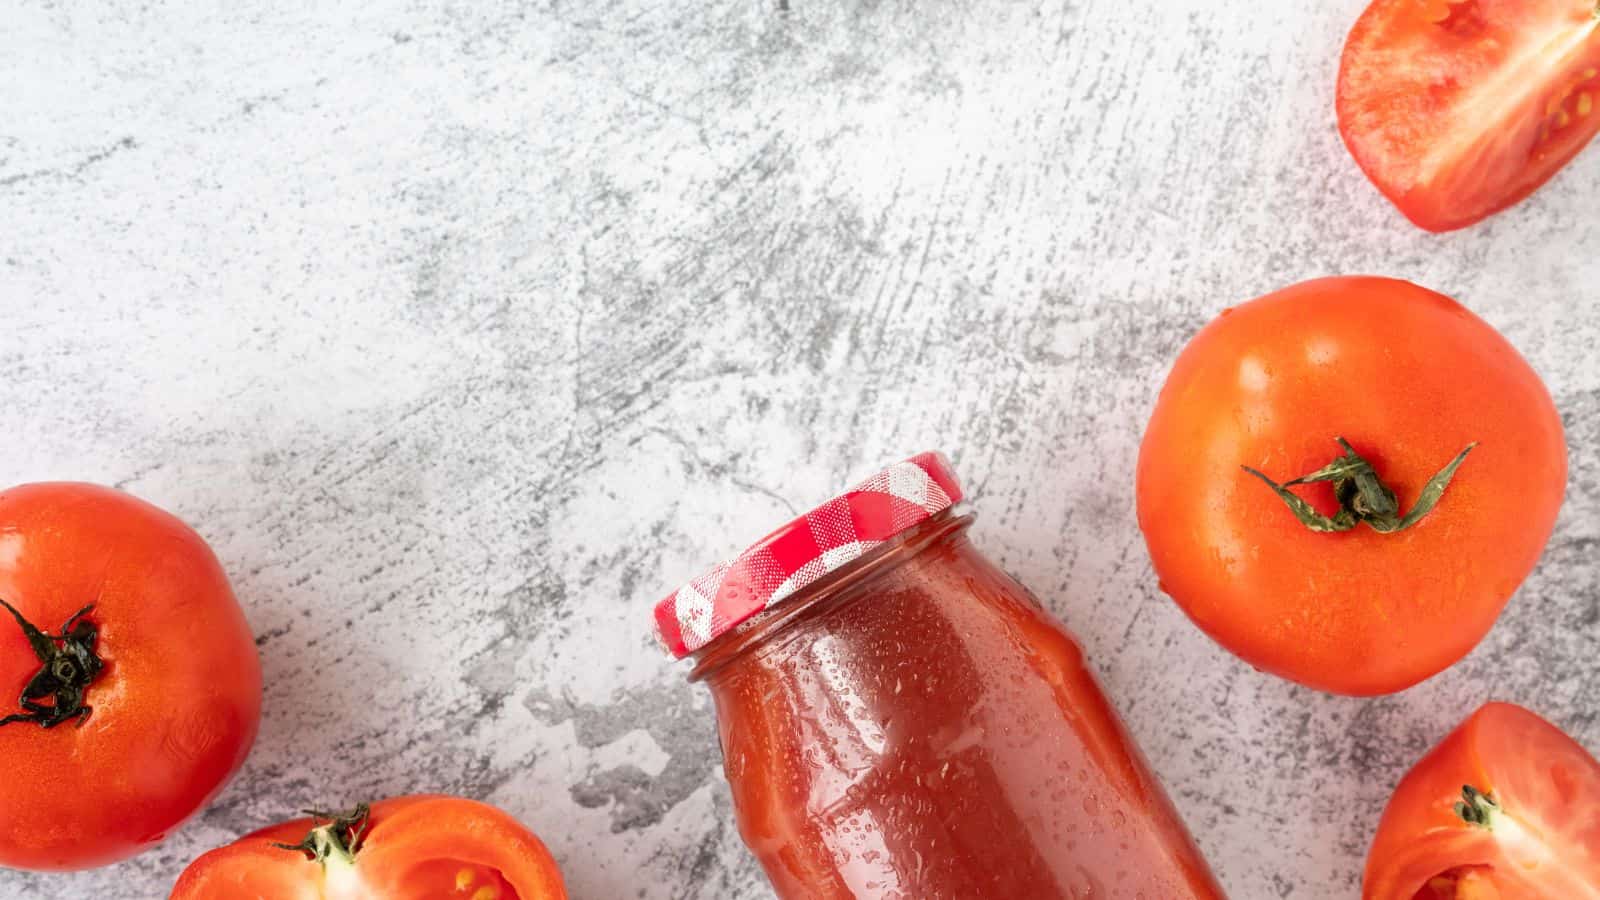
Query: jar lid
[(803, 551)]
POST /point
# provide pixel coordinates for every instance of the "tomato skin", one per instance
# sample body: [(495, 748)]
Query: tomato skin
[(1410, 378), (1539, 776), (1458, 109), (412, 848), (175, 709)]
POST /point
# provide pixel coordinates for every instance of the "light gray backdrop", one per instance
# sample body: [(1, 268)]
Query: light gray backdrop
[(464, 331)]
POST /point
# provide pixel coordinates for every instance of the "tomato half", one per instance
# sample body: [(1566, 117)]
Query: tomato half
[(129, 685), (1506, 808), (1371, 603), (1457, 109), (423, 847)]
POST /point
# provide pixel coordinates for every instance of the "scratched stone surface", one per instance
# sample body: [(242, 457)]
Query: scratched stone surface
[(463, 331)]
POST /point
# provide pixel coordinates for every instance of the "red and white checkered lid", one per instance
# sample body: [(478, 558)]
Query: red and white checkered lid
[(801, 552)]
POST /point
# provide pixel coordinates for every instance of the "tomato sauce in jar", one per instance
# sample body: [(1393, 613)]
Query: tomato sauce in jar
[(900, 720)]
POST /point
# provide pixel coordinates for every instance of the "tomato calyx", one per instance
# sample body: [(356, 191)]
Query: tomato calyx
[(335, 843), (1476, 807), (68, 665), (1362, 495)]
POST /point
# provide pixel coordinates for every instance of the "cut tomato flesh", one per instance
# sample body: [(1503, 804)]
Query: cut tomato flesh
[(422, 847), (448, 879), (1457, 109)]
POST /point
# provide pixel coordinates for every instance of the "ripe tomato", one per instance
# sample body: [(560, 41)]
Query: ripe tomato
[(1374, 602), (408, 848), (1506, 808), (128, 676), (1457, 109)]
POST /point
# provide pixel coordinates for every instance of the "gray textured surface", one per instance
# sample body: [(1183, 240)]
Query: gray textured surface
[(482, 324)]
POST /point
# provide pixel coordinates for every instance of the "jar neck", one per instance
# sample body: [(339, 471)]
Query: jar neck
[(838, 587)]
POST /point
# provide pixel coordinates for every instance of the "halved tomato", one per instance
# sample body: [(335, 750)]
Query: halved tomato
[(1457, 109), (1506, 808), (422, 847)]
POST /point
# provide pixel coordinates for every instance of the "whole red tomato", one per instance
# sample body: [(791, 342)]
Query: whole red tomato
[(1438, 463), (1457, 109), (1506, 808), (129, 686), (408, 848)]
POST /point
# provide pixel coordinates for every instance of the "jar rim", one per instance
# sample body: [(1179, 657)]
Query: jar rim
[(847, 584), (804, 550)]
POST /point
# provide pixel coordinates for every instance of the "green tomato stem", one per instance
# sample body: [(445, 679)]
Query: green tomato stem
[(1362, 495)]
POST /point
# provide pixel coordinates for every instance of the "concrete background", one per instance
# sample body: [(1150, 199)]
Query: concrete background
[(484, 324)]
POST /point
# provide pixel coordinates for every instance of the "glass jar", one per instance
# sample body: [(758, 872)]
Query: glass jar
[(900, 720)]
